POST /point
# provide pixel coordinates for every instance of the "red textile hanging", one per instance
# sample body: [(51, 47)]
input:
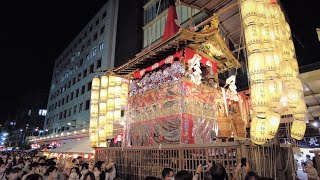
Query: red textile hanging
[(172, 26)]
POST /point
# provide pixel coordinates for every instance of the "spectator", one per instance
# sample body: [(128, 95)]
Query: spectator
[(51, 173), (110, 171), (251, 176), (151, 178), (74, 173), (89, 176), (34, 177), (32, 168), (167, 174), (312, 173), (218, 172), (12, 174), (183, 175)]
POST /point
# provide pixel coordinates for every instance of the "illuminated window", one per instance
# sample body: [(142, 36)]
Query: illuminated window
[(42, 112), (94, 51), (101, 46)]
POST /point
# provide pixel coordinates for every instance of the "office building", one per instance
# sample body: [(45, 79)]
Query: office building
[(101, 45)]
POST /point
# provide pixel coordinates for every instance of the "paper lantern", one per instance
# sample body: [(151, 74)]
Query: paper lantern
[(110, 116), (95, 83), (104, 81), (118, 81), (94, 109), (117, 91), (298, 129), (293, 98), (274, 90), (124, 101), (286, 52), (273, 123), (110, 104), (93, 139), (287, 73), (253, 37), (259, 131), (249, 12), (272, 65), (94, 95), (300, 110), (256, 66), (259, 99), (117, 103), (102, 120), (109, 130), (110, 92), (124, 89), (112, 80), (102, 138), (117, 115)]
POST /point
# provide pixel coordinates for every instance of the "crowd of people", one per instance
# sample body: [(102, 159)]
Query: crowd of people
[(27, 167), (213, 171)]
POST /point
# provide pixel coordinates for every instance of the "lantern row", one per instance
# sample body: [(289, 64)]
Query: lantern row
[(273, 70), (108, 98)]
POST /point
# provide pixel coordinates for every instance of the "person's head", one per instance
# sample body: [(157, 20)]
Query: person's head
[(75, 173), (251, 176), (183, 175), (52, 172), (75, 162), (19, 170), (96, 171), (308, 156), (151, 178), (42, 161), (167, 173), (34, 177), (109, 167), (12, 174), (89, 176), (207, 175), (218, 172)]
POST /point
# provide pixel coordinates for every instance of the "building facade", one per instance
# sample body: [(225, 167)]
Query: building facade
[(91, 52)]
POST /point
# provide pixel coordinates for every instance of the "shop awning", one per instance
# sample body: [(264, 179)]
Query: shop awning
[(77, 146)]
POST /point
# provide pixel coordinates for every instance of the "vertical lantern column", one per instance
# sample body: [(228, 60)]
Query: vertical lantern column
[(103, 111), (94, 112), (269, 47)]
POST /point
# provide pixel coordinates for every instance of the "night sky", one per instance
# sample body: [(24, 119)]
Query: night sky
[(33, 34)]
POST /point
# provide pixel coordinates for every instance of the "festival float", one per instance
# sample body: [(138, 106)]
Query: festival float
[(168, 107)]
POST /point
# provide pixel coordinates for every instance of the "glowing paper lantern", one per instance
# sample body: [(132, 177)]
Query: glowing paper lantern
[(249, 12), (117, 91), (287, 73), (102, 138), (298, 129), (272, 65), (117, 115), (259, 130), (274, 90), (259, 99), (94, 110), (112, 80), (256, 67), (110, 104), (117, 103), (253, 37), (273, 123), (110, 92)]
